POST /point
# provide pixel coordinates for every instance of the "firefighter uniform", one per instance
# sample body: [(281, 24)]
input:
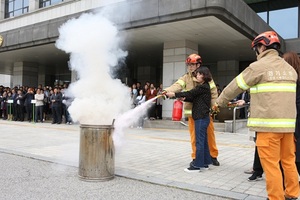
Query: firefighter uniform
[(272, 84), (186, 83)]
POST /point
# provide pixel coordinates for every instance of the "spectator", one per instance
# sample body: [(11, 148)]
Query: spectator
[(39, 105), (293, 59), (66, 102), (20, 106), (150, 94), (134, 92), (56, 106), (141, 98), (159, 102), (4, 105), (14, 104), (28, 97), (244, 111)]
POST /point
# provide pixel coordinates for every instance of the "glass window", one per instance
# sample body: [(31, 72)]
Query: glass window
[(55, 1), (264, 16), (45, 3), (26, 3), (15, 7), (285, 22), (18, 12), (18, 4)]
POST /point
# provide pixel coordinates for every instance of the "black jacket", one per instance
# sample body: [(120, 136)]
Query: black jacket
[(201, 98), (58, 99)]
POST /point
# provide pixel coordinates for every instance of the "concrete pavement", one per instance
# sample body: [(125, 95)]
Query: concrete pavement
[(151, 155)]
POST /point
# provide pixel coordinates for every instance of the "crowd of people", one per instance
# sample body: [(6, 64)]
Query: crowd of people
[(141, 94), (35, 104)]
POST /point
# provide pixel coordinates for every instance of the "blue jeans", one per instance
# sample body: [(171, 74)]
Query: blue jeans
[(202, 150)]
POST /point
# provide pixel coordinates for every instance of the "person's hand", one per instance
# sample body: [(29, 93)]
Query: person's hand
[(170, 94), (232, 104), (181, 98), (240, 102), (215, 108)]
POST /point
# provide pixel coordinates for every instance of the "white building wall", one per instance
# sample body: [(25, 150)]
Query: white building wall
[(51, 12), (5, 80)]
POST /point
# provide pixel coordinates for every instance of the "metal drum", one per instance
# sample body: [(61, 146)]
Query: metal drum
[(96, 153)]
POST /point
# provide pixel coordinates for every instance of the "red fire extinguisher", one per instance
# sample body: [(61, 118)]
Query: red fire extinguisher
[(177, 110)]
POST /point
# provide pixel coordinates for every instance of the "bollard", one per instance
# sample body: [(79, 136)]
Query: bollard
[(96, 153)]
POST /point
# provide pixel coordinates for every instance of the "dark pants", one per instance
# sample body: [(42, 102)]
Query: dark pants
[(159, 111), (56, 114), (29, 112), (39, 110), (19, 113), (152, 113), (256, 164), (202, 150)]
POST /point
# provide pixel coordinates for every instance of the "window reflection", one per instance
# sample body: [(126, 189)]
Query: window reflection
[(15, 7), (284, 21), (45, 3)]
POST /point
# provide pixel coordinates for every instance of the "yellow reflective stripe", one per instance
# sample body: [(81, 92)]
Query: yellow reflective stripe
[(212, 84), (241, 82), (273, 87), (275, 123), (188, 112), (181, 83)]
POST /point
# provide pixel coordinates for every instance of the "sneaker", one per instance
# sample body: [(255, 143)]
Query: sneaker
[(249, 171), (215, 162), (192, 163), (192, 169), (205, 167), (255, 177)]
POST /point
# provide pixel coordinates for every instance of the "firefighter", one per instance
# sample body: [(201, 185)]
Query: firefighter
[(188, 82), (272, 84)]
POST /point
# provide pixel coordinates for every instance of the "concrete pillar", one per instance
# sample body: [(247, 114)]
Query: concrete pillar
[(33, 5), (174, 55), (25, 73), (226, 71), (74, 76), (42, 79), (2, 9)]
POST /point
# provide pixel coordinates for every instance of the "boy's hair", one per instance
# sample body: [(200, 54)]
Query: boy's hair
[(207, 77)]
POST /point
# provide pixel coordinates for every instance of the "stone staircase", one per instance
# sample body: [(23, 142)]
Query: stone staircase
[(169, 124)]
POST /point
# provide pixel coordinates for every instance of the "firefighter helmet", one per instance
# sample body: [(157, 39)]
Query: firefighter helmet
[(267, 39), (193, 58)]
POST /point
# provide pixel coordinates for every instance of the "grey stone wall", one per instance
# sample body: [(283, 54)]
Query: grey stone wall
[(235, 13)]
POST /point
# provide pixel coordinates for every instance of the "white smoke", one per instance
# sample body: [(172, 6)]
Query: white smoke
[(93, 44), (128, 119)]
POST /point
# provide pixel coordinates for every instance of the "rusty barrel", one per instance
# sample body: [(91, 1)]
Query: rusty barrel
[(96, 153)]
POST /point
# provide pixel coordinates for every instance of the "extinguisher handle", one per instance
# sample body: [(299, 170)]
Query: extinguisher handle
[(164, 95)]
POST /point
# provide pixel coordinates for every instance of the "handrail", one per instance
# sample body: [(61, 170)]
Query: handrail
[(234, 115)]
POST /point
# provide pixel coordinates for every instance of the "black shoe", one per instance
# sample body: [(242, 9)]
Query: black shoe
[(256, 176), (192, 163), (192, 169), (291, 198), (215, 162)]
